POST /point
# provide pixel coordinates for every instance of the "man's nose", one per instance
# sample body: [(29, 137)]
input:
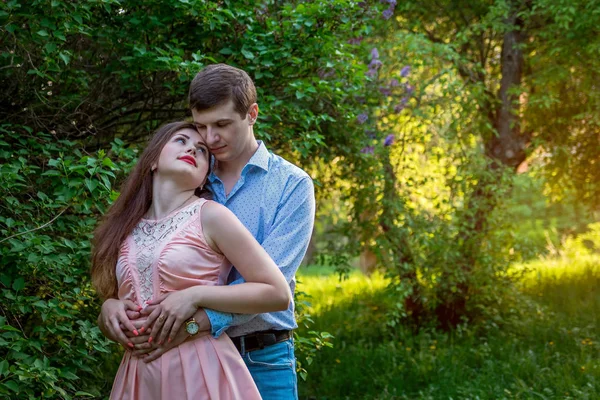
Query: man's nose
[(212, 136)]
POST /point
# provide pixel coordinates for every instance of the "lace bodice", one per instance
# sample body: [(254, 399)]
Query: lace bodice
[(149, 236)]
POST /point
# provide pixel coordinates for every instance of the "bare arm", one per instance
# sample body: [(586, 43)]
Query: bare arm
[(265, 289)]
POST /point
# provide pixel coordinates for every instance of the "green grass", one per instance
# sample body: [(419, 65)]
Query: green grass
[(551, 351)]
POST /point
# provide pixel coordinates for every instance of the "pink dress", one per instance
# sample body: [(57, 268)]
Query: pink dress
[(164, 256)]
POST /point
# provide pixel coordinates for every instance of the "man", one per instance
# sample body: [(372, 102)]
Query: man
[(274, 200)]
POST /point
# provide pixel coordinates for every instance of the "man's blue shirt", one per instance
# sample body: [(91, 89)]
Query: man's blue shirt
[(275, 200)]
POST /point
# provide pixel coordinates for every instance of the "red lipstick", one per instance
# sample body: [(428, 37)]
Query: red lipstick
[(188, 159)]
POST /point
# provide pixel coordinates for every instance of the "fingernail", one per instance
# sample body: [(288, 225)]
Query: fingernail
[(150, 339), (135, 332), (140, 308), (130, 345), (169, 341), (142, 329), (160, 343)]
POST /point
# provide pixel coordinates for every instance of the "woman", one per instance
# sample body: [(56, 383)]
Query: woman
[(164, 237)]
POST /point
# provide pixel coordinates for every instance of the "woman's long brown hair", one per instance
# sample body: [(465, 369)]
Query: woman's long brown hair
[(131, 205)]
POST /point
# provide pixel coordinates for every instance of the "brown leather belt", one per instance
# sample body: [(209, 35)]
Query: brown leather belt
[(260, 340)]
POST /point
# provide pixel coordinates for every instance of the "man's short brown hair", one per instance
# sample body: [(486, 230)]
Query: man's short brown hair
[(216, 84)]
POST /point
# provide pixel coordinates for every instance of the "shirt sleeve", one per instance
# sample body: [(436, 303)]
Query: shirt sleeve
[(286, 243)]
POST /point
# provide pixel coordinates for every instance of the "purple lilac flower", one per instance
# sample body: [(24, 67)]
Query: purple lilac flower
[(405, 71), (368, 150), (385, 91), (392, 3), (394, 83), (375, 64), (371, 73), (374, 53), (410, 89), (362, 118), (387, 14), (400, 106), (389, 140)]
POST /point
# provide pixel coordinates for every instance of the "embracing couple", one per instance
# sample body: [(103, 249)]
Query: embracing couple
[(196, 258)]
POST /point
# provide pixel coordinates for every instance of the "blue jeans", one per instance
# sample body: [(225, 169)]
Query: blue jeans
[(274, 370)]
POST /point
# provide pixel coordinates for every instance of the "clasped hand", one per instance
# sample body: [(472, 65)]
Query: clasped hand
[(166, 315), (151, 331)]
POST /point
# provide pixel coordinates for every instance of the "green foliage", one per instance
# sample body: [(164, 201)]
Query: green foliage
[(101, 72), (423, 194), (543, 225), (563, 101), (583, 245), (52, 193), (546, 346), (77, 75), (432, 205), (309, 342)]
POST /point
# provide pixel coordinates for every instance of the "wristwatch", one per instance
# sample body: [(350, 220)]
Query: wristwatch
[(192, 327)]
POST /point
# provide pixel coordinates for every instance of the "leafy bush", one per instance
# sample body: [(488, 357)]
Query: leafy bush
[(51, 194), (89, 71)]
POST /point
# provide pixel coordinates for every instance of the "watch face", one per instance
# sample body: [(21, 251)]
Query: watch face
[(192, 327)]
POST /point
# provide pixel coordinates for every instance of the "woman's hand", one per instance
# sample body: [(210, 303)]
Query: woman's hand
[(167, 314), (142, 338), (114, 322), (150, 351)]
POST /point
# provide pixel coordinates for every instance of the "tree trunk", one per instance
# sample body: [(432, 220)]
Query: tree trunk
[(507, 147)]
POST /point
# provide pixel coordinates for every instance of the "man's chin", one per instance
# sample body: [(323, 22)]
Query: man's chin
[(222, 157)]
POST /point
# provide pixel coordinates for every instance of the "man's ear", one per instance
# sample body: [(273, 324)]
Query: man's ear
[(253, 113)]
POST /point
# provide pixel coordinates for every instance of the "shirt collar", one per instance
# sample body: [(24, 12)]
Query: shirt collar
[(260, 159)]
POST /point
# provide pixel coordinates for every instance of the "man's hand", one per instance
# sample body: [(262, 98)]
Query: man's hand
[(113, 316), (167, 314)]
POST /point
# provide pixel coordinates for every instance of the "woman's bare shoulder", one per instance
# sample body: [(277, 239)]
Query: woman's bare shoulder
[(215, 213)]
